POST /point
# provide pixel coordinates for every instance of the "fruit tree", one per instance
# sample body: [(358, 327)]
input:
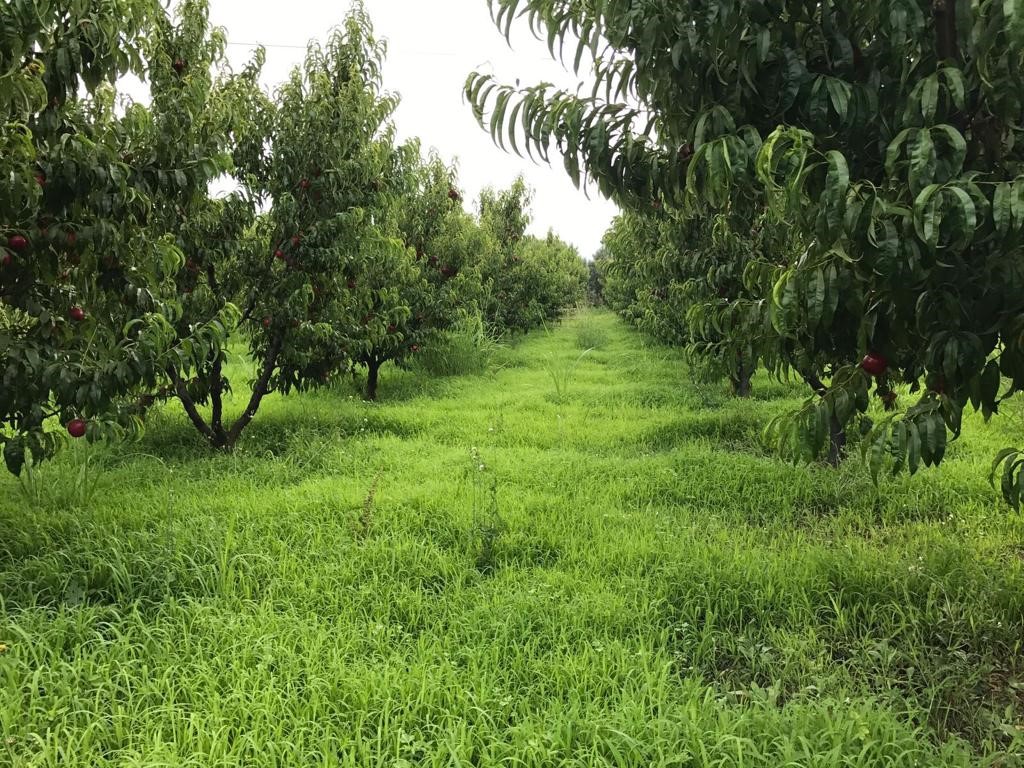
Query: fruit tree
[(883, 132), (87, 295)]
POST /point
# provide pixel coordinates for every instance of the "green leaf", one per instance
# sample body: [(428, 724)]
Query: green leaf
[(926, 221), (913, 447), (929, 98), (1002, 207), (923, 161)]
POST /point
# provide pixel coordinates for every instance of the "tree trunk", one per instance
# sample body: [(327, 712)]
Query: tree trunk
[(217, 401), (836, 433), (836, 442), (372, 375), (741, 382), (190, 407), (259, 389)]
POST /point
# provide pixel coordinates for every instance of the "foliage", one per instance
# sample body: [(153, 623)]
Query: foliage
[(697, 282), (527, 280), (589, 333), (466, 348), (87, 299), (883, 133), (424, 288)]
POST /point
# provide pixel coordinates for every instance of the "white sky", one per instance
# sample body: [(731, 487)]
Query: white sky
[(432, 47)]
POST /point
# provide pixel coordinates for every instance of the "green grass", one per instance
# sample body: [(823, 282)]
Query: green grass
[(486, 571)]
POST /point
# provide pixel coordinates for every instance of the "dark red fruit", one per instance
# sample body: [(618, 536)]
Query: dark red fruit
[(351, 283), (279, 254), (77, 314), (266, 322), (179, 65), (304, 184), (295, 241), (41, 179), (17, 243), (76, 428), (874, 364), (71, 239), (5, 260)]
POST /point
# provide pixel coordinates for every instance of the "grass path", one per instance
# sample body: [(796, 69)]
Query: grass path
[(480, 572)]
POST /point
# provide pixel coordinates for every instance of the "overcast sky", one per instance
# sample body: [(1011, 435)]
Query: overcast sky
[(432, 47)]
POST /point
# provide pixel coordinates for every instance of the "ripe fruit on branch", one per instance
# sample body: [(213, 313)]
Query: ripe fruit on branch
[(266, 322), (279, 254), (179, 65), (295, 241), (304, 184), (454, 196), (71, 238), (76, 428), (17, 243), (41, 179), (77, 314), (5, 260), (874, 364), (351, 283)]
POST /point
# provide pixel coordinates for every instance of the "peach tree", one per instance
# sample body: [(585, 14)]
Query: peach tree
[(684, 280), (422, 289), (329, 170), (886, 135), (87, 296), (527, 280)]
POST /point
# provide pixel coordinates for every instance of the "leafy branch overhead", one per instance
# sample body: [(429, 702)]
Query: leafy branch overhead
[(883, 134)]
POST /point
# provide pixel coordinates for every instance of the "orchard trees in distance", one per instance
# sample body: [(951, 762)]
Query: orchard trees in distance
[(422, 289)]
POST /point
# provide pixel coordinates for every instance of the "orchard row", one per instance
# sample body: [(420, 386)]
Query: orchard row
[(123, 280), (830, 190)]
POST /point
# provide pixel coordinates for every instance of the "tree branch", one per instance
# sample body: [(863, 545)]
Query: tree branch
[(946, 45), (190, 406), (258, 390)]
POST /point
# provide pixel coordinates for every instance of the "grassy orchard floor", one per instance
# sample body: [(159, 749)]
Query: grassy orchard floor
[(662, 593)]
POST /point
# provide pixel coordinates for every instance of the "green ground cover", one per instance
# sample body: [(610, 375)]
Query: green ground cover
[(579, 559)]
